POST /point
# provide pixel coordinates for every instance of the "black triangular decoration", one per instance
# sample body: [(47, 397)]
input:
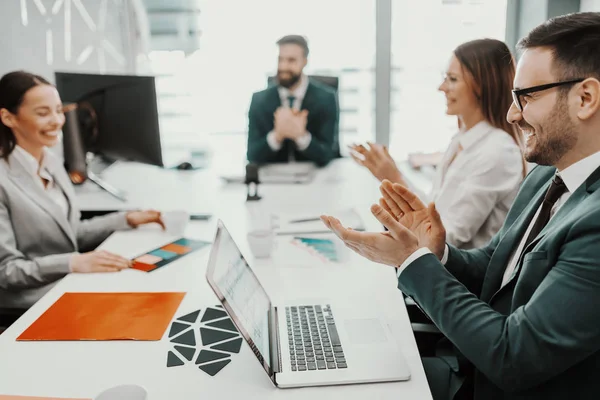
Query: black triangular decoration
[(173, 360), (213, 369), (191, 317), (212, 313), (233, 346), (210, 336), (187, 352), (187, 338), (218, 305), (177, 327), (224, 324), (208, 356)]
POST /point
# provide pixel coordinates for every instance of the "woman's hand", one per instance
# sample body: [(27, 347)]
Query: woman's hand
[(98, 261), (137, 218), (377, 159)]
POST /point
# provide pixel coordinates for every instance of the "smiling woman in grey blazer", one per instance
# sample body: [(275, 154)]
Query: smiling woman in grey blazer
[(41, 236)]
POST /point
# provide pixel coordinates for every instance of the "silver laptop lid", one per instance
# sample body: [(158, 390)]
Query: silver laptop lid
[(242, 295)]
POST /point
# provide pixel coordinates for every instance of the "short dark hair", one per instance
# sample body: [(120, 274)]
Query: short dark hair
[(295, 39), (575, 43), (13, 87)]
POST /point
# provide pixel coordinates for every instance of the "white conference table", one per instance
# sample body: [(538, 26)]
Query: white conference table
[(83, 369)]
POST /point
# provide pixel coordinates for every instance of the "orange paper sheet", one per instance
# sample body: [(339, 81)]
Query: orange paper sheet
[(6, 397), (106, 316)]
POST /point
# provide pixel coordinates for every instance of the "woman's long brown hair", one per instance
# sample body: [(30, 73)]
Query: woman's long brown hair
[(13, 87), (491, 67)]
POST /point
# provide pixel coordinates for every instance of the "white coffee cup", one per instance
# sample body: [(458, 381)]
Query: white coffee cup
[(123, 392), (175, 222), (261, 242)]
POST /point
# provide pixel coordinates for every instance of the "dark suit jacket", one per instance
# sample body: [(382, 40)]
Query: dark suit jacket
[(322, 123), (538, 337)]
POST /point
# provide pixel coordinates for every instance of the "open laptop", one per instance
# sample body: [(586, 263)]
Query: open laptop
[(333, 343)]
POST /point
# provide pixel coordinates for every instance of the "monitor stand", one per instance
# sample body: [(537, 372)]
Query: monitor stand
[(96, 165)]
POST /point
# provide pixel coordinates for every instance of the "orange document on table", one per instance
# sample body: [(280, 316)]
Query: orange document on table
[(6, 397), (106, 316)]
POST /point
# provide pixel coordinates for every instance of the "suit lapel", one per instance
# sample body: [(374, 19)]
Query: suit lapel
[(25, 182), (273, 99), (62, 180), (573, 201), (593, 182), (580, 194), (503, 254), (308, 100)]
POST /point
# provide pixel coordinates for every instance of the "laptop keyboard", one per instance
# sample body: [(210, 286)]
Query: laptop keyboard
[(313, 339)]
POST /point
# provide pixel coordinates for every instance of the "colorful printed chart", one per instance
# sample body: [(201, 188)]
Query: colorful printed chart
[(166, 254), (325, 248)]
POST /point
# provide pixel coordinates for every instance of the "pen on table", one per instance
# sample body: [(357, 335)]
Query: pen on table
[(315, 232), (200, 217), (295, 221)]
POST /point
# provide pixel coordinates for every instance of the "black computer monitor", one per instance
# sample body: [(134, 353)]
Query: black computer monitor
[(124, 114)]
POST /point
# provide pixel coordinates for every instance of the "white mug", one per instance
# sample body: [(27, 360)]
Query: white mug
[(261, 242), (175, 222), (123, 392)]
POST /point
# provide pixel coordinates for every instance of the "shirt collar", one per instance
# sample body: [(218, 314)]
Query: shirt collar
[(576, 174), (298, 93), (473, 135), (31, 164)]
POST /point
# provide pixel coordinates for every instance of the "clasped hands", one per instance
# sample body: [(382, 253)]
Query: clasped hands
[(410, 223), (289, 123)]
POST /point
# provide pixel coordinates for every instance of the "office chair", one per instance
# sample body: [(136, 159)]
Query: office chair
[(329, 81), (8, 316), (427, 335)]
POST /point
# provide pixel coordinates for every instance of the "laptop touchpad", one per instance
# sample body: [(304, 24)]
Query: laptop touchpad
[(365, 331)]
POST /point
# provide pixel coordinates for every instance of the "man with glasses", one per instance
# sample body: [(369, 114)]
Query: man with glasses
[(522, 312)]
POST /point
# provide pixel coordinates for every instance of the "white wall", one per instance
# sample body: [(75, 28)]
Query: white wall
[(533, 13), (590, 5), (43, 36)]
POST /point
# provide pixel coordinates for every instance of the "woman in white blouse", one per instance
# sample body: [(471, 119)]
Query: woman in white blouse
[(41, 236), (480, 172)]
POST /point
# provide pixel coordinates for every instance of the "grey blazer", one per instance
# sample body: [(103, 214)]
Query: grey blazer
[(36, 239)]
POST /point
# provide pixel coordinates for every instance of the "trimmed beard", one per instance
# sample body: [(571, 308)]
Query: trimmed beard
[(557, 138), (289, 82)]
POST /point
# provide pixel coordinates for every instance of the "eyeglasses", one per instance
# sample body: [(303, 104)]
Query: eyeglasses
[(516, 94)]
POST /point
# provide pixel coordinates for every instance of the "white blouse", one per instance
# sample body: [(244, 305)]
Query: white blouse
[(475, 191)]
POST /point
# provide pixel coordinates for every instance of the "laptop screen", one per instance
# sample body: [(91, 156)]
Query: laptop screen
[(241, 293)]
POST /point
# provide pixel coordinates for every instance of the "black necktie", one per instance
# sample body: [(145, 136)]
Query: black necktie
[(291, 144), (291, 100), (557, 188)]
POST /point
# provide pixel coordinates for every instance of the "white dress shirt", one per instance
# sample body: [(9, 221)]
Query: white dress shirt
[(474, 189), (573, 177), (39, 171), (302, 142)]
